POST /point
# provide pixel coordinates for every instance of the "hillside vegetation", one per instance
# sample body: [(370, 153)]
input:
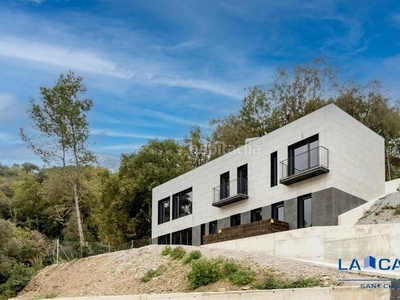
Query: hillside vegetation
[(146, 270)]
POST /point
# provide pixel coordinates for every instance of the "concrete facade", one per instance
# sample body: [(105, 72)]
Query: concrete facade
[(355, 157)]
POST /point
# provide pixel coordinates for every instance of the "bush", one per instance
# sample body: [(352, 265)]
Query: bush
[(193, 255), (204, 272), (166, 251), (229, 267), (177, 253), (270, 283), (242, 277), (19, 278), (304, 283), (151, 274), (397, 210)]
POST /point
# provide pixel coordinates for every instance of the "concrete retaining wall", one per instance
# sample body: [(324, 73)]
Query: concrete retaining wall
[(353, 293), (351, 217), (325, 244)]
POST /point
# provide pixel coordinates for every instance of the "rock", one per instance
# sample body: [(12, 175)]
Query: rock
[(246, 287)]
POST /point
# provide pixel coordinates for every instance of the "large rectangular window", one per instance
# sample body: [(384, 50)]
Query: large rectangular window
[(274, 169), (213, 227), (182, 204), (224, 186), (163, 210), (303, 155), (164, 239), (304, 211), (278, 211), (256, 215), (242, 180), (183, 237)]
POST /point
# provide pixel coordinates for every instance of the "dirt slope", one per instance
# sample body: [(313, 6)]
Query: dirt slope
[(119, 273)]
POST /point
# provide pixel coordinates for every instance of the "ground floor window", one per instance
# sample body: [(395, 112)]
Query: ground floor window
[(213, 227), (164, 239), (235, 220), (256, 215), (304, 211), (278, 211), (183, 237)]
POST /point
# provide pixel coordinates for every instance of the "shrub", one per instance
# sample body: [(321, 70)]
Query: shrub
[(166, 251), (304, 283), (193, 255), (151, 274), (19, 278), (242, 277), (204, 272), (177, 253), (270, 283), (397, 210), (229, 267)]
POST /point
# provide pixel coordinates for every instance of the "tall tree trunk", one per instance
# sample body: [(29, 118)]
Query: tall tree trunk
[(78, 217)]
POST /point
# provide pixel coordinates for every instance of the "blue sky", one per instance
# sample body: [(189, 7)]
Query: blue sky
[(153, 68)]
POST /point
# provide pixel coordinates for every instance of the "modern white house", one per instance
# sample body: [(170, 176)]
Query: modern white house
[(306, 173)]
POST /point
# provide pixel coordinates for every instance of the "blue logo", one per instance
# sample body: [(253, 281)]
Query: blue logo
[(370, 263)]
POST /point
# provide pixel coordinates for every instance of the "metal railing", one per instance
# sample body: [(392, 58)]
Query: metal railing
[(229, 189), (303, 162)]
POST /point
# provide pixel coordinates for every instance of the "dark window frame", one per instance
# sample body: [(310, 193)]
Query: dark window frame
[(213, 227), (164, 239), (274, 168), (301, 206), (242, 179), (256, 215), (161, 211), (182, 237), (275, 211), (177, 207), (292, 156), (224, 190), (235, 220)]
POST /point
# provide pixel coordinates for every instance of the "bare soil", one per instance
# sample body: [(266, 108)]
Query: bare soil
[(119, 273)]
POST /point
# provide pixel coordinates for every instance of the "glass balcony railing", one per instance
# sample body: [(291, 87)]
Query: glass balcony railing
[(305, 165), (230, 192)]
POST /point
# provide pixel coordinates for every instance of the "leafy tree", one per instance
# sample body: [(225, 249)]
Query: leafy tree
[(228, 134), (126, 197), (28, 205), (302, 90), (370, 104), (60, 120), (29, 167), (10, 249), (198, 146)]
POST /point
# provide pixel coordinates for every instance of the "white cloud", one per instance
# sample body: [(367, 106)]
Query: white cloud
[(77, 59), (114, 133)]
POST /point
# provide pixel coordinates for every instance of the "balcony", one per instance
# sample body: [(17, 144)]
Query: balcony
[(230, 192), (305, 165)]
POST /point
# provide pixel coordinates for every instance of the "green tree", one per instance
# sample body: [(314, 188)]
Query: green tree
[(198, 146), (60, 120), (126, 197), (370, 104), (297, 92), (228, 133)]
